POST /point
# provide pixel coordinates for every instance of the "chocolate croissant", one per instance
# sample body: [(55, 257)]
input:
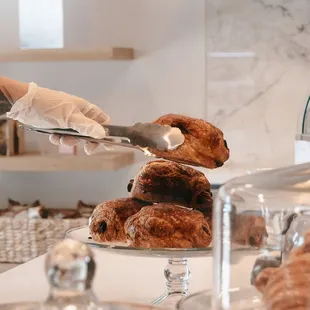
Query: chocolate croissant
[(167, 226), (204, 143), (108, 218), (165, 181)]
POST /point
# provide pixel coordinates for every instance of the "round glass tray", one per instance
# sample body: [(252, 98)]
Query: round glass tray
[(240, 299), (82, 234), (177, 271)]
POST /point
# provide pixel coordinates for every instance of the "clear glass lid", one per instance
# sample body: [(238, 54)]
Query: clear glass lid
[(260, 240), (70, 269)]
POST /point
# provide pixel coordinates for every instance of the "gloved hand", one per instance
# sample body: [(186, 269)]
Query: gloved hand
[(46, 108)]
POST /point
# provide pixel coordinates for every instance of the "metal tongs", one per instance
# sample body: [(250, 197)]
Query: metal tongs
[(141, 136)]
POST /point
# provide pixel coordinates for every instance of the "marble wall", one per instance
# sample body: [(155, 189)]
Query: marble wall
[(258, 75)]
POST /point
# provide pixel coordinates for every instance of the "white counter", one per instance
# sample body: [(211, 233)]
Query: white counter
[(117, 278)]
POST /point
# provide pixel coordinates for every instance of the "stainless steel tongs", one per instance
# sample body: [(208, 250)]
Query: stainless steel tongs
[(139, 136)]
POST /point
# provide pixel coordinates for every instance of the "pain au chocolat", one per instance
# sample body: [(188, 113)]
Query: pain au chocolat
[(204, 143), (170, 182), (108, 218), (167, 226)]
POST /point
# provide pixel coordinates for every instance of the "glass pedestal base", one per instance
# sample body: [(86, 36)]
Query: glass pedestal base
[(177, 274)]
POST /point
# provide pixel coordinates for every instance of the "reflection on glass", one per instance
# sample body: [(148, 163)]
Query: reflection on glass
[(41, 24)]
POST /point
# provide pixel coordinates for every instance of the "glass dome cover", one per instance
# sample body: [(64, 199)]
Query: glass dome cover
[(259, 221)]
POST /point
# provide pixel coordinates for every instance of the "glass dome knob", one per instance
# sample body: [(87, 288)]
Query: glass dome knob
[(70, 269), (70, 265)]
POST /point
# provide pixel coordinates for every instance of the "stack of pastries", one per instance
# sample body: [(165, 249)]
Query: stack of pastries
[(169, 204)]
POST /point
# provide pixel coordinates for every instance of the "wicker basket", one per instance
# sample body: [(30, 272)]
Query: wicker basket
[(22, 240)]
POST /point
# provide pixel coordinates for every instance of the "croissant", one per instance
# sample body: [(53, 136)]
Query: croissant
[(288, 287), (204, 143), (167, 226)]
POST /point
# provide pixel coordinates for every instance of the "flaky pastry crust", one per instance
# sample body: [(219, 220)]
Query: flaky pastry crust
[(204, 143)]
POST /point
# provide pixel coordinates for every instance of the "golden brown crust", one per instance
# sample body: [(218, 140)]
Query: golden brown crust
[(165, 181), (108, 218), (167, 226), (287, 287), (263, 277), (204, 143)]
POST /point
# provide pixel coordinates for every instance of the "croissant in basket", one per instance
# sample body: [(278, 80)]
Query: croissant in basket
[(23, 211), (204, 143)]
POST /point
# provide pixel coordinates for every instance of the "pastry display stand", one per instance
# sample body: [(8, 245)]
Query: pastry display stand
[(177, 272)]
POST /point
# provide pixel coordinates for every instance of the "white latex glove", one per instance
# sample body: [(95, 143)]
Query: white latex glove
[(46, 108)]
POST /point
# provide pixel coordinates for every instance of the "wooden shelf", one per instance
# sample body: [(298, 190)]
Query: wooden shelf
[(109, 161), (34, 55)]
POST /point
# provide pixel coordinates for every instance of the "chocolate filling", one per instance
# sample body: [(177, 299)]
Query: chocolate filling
[(218, 163), (103, 227), (129, 186), (205, 229)]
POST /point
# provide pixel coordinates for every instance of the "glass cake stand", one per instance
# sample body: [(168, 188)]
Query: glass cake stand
[(177, 272)]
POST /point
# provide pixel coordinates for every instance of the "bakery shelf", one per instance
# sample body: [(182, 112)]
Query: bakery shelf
[(109, 161), (35, 55)]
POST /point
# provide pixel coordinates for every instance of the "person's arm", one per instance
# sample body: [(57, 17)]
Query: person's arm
[(46, 108), (10, 92)]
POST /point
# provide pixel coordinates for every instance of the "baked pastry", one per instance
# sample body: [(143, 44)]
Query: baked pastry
[(167, 226), (63, 213), (248, 230), (15, 206), (288, 287), (108, 218), (166, 181), (23, 211), (204, 144), (85, 209)]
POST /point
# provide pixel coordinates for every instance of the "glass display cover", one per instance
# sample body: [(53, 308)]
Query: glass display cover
[(261, 240)]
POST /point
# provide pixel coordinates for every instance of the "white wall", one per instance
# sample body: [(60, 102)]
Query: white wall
[(168, 76), (8, 24)]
